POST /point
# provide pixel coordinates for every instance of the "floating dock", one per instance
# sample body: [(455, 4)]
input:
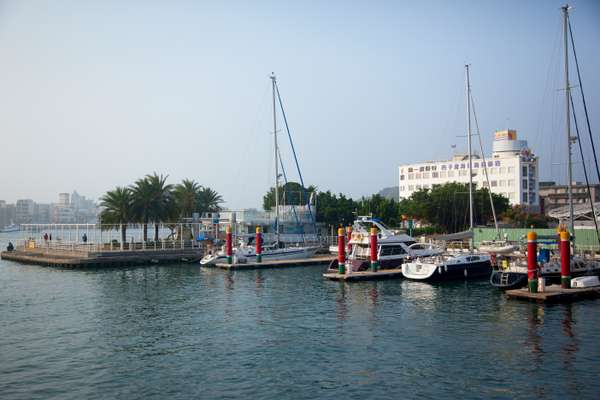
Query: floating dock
[(365, 275), (124, 258), (554, 293), (319, 260)]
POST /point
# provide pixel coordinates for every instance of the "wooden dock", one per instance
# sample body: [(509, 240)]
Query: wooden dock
[(318, 260), (125, 258), (554, 293), (365, 275)]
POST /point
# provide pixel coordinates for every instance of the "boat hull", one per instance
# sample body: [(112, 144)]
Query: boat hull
[(282, 254), (446, 272)]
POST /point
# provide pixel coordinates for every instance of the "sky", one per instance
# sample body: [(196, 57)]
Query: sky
[(96, 94)]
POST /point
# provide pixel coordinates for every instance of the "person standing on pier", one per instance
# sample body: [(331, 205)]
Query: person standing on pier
[(84, 238)]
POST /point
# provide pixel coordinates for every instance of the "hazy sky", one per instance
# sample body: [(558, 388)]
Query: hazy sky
[(96, 94)]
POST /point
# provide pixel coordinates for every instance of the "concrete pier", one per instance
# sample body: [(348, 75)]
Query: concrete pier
[(318, 260), (124, 258), (365, 275), (554, 293)]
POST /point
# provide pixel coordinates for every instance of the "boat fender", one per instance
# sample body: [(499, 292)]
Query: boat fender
[(465, 272), (440, 270), (445, 268)]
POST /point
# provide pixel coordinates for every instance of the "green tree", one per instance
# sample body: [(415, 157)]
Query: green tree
[(291, 194), (187, 195), (162, 200), (151, 201), (209, 200), (117, 209), (335, 209)]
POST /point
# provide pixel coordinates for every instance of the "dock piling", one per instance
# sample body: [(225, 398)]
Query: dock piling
[(258, 245), (565, 260), (341, 251), (373, 245), (228, 246), (532, 261)]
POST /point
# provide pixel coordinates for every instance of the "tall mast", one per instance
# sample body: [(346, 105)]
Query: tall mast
[(565, 10), (468, 89), (273, 81)]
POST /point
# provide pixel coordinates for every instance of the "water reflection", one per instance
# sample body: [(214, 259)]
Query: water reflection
[(341, 308)]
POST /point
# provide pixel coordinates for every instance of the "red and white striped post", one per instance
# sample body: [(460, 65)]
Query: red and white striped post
[(258, 244), (565, 260), (228, 245), (373, 246), (532, 262), (341, 251)]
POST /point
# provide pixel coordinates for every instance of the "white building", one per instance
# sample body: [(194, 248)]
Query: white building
[(512, 171)]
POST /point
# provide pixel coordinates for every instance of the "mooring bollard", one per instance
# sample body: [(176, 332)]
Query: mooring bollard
[(228, 247), (532, 262), (258, 245), (565, 260), (373, 245), (341, 251)]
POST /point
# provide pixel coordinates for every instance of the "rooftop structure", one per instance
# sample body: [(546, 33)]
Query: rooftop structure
[(512, 170)]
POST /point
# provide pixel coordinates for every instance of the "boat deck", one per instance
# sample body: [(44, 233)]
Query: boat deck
[(365, 275), (318, 260), (554, 293)]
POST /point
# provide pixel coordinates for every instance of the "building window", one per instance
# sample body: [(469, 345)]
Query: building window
[(410, 169), (501, 170), (502, 183), (485, 184), (455, 166), (418, 175), (476, 165), (411, 176), (462, 166), (421, 169), (524, 170), (494, 183), (524, 184), (510, 182), (511, 170), (425, 175), (434, 168), (434, 175), (401, 177), (444, 167), (443, 174), (524, 197), (497, 163), (411, 187), (490, 163)]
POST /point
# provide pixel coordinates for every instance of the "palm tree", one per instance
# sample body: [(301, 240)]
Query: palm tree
[(161, 199), (209, 200), (187, 194), (117, 209), (142, 202)]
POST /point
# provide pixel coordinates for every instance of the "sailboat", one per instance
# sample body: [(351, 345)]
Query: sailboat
[(511, 272), (277, 250), (449, 266)]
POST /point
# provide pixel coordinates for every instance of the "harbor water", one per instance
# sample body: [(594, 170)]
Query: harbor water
[(181, 331)]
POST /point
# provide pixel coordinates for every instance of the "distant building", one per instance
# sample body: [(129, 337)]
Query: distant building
[(512, 170), (24, 211), (7, 214), (64, 199), (553, 196)]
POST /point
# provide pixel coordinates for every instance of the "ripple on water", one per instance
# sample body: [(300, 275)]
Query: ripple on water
[(179, 331)]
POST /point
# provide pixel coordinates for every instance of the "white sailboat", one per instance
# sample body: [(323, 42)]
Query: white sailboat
[(512, 271), (449, 266), (273, 251)]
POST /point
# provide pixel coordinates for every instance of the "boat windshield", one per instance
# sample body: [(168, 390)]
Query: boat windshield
[(366, 225)]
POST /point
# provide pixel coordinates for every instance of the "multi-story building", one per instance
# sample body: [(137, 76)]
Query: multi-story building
[(553, 196), (24, 211), (512, 170)]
